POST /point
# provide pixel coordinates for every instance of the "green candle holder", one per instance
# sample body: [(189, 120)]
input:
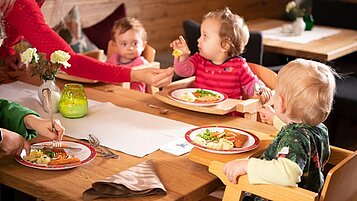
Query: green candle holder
[(73, 102)]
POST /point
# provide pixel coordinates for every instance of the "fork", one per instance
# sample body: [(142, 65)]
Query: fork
[(46, 92), (94, 141)]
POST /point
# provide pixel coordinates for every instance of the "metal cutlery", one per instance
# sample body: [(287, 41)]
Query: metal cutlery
[(46, 92), (162, 110), (73, 149), (94, 141)]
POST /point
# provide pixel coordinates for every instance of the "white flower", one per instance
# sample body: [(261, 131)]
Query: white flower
[(290, 6), (29, 56), (61, 57)]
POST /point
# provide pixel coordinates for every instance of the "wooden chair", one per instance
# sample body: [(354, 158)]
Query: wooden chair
[(340, 182), (149, 54), (248, 107), (96, 54)]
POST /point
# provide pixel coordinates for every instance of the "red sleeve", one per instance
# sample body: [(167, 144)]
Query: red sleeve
[(27, 19)]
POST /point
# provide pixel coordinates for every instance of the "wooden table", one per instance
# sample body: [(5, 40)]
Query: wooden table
[(325, 49), (183, 179)]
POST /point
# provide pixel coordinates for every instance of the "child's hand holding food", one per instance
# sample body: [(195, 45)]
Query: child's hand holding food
[(262, 92), (180, 49), (266, 94), (266, 114)]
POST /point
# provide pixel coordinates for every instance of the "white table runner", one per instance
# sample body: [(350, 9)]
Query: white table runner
[(132, 132), (307, 36)]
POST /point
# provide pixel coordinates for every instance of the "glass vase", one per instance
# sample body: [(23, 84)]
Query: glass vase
[(298, 26), (73, 102), (55, 94)]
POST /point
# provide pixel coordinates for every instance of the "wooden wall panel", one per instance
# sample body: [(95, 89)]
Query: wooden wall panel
[(163, 18)]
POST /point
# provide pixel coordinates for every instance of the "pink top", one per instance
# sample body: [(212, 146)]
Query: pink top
[(139, 86), (232, 78), (26, 20)]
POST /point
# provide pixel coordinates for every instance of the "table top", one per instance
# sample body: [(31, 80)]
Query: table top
[(325, 49), (183, 179)]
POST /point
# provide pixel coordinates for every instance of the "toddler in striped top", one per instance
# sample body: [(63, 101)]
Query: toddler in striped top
[(218, 65)]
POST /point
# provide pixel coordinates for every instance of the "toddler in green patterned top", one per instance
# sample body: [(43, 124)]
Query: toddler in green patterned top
[(303, 100)]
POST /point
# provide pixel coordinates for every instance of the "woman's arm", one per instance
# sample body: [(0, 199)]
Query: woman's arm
[(26, 18)]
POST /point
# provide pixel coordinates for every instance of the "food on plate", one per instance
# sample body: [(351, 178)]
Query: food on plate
[(176, 53), (224, 140), (200, 96), (51, 156), (240, 140)]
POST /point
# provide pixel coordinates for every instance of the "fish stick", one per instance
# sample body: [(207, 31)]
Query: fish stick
[(64, 161)]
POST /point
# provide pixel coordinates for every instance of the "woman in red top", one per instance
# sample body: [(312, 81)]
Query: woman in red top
[(24, 19)]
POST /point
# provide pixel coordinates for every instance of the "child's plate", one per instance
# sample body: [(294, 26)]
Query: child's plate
[(86, 154), (177, 94), (252, 142)]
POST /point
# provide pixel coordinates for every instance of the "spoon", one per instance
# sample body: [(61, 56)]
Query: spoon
[(94, 141), (162, 110)]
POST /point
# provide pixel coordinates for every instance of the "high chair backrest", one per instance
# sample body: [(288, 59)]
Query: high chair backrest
[(340, 183), (96, 54), (149, 54)]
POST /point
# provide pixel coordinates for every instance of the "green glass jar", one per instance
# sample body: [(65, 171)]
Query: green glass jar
[(73, 102)]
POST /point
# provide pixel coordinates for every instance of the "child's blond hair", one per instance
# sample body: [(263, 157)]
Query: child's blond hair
[(125, 24), (308, 88), (233, 30)]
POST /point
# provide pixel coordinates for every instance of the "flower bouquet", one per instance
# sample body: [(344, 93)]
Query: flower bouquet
[(47, 70), (39, 65), (294, 11)]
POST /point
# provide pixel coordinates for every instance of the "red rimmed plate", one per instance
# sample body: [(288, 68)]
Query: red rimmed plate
[(252, 142), (86, 155), (177, 93)]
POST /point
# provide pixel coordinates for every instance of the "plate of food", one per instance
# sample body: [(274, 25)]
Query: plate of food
[(44, 156), (222, 140), (197, 96)]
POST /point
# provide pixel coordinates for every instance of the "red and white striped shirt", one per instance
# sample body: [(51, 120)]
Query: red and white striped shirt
[(232, 78)]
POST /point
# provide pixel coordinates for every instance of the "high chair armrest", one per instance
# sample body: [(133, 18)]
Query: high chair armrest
[(154, 64), (269, 191), (251, 105), (184, 83)]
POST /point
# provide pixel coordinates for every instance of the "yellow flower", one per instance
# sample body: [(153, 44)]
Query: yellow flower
[(61, 57), (29, 56)]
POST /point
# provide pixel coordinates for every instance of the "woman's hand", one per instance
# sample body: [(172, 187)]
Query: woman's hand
[(234, 169), (180, 44), (153, 76), (14, 61), (44, 127), (13, 143), (266, 113)]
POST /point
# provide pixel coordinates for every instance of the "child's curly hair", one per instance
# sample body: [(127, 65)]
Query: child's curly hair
[(233, 30), (125, 24)]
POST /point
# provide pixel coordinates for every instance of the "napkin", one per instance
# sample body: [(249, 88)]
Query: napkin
[(140, 180)]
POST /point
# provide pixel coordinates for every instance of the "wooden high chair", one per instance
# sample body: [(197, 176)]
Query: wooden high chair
[(248, 107), (96, 54), (340, 182), (149, 54)]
